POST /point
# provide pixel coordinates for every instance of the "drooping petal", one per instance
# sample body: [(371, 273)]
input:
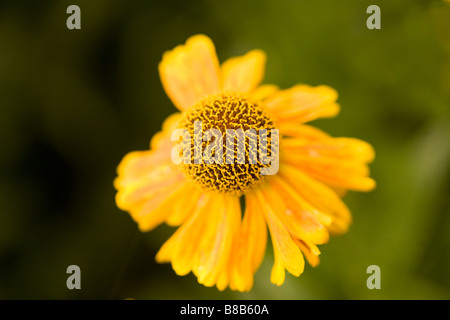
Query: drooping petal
[(249, 249), (216, 244), (203, 243), (190, 72), (310, 251), (301, 219), (319, 195), (303, 103), (181, 210), (182, 245), (287, 255), (243, 74)]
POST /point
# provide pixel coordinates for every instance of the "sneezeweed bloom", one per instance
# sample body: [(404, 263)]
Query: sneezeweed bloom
[(224, 210)]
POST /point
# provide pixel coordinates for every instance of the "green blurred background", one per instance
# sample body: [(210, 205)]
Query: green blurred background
[(74, 102)]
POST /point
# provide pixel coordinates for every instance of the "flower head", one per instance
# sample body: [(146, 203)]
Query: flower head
[(233, 131)]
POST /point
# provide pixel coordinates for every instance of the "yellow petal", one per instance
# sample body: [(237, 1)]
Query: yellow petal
[(337, 173), (204, 241), (303, 103), (165, 253), (155, 211), (162, 139), (148, 183), (319, 195), (214, 248), (264, 91), (181, 210), (310, 251), (301, 219), (244, 73), (146, 192), (222, 281), (304, 131), (339, 162), (346, 149), (190, 72), (149, 208), (286, 253), (137, 164), (182, 245), (278, 273), (249, 249)]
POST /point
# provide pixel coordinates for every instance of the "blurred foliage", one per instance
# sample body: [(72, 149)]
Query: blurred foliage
[(74, 102)]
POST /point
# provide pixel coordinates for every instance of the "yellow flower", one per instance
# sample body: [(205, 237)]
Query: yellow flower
[(220, 241)]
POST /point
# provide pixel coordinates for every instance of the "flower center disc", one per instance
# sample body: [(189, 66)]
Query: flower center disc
[(237, 121)]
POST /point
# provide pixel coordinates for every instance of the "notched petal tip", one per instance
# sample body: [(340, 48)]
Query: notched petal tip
[(244, 73), (190, 71)]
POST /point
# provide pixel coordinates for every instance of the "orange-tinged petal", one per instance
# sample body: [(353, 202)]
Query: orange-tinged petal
[(148, 184), (145, 184), (151, 182), (150, 197), (303, 103), (286, 253), (244, 73), (339, 162), (249, 248), (137, 164), (190, 72)]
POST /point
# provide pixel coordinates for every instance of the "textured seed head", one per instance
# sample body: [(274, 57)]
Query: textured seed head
[(233, 145)]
